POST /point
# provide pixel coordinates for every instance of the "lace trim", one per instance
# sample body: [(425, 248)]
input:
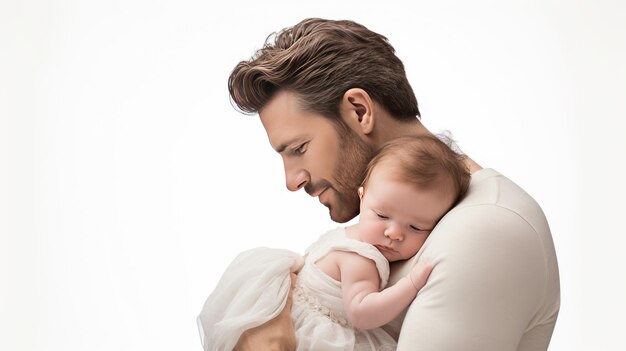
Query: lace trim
[(313, 304)]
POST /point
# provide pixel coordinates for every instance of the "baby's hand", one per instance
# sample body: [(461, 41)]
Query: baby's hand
[(421, 271)]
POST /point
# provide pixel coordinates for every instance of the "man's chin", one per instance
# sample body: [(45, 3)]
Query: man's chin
[(341, 216)]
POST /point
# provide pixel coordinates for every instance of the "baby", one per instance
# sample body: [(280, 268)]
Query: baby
[(340, 299)]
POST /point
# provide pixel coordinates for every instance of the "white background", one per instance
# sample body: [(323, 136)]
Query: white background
[(128, 182)]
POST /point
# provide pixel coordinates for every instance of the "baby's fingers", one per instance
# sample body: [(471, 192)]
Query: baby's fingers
[(420, 273)]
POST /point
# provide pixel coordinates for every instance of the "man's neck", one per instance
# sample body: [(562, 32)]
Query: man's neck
[(396, 129)]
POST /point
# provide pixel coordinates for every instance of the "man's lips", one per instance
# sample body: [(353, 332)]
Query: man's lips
[(317, 193)]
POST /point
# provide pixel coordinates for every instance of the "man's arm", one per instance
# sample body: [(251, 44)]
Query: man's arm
[(487, 284)]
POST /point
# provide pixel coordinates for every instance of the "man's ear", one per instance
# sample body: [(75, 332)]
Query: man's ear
[(357, 110)]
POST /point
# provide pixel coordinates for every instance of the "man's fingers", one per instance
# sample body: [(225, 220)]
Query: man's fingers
[(293, 280)]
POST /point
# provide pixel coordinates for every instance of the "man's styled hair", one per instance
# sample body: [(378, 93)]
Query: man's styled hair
[(319, 60), (425, 162)]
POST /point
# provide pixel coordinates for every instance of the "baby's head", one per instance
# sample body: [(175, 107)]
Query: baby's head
[(426, 163), (409, 185)]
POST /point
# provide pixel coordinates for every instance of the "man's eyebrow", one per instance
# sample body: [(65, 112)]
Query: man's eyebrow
[(280, 148)]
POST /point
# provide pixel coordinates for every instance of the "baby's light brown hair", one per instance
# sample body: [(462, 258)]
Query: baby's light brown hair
[(425, 162)]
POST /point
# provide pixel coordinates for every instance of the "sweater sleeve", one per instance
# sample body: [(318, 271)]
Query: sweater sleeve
[(490, 277)]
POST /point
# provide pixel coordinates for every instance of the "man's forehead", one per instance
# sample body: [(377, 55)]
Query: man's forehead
[(282, 100), (278, 110), (285, 122)]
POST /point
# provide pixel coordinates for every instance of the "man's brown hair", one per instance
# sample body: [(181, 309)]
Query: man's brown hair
[(319, 60), (425, 162)]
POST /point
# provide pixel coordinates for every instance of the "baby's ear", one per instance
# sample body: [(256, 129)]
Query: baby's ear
[(360, 192)]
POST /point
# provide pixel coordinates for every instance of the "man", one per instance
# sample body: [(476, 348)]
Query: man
[(329, 93)]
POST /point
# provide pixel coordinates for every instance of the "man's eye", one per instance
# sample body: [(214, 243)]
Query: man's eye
[(300, 149)]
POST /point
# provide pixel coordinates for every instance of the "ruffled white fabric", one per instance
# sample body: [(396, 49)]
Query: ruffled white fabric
[(318, 314), (255, 286), (253, 290)]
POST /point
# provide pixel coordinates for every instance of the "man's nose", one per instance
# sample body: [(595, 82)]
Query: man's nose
[(394, 232), (296, 179)]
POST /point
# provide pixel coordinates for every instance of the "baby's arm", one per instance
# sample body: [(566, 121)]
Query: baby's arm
[(367, 307)]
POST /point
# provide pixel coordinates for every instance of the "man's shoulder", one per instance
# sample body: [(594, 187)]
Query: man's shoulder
[(495, 211), (491, 194), (488, 186)]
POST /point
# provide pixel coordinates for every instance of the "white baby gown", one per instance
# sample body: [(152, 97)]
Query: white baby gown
[(255, 287)]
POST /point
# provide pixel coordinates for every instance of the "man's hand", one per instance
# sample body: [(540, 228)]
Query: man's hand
[(275, 335)]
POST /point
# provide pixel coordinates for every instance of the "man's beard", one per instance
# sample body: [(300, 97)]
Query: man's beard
[(354, 155)]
